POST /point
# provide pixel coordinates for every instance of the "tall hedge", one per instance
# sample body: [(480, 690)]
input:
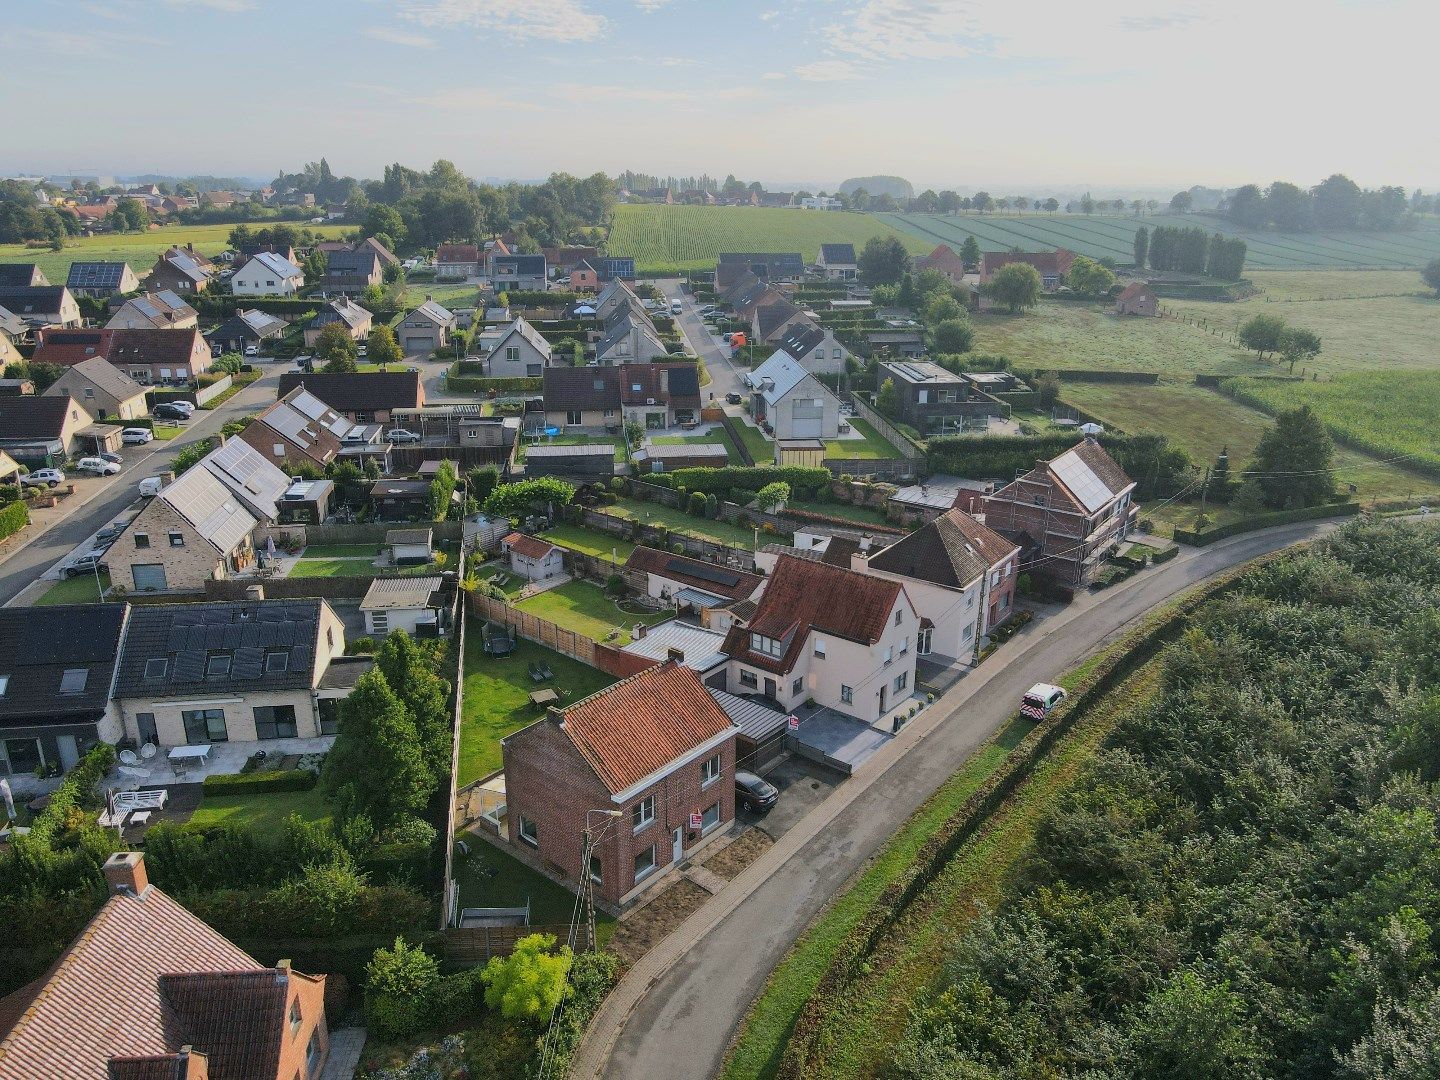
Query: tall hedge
[(1158, 469), (13, 518), (743, 477)]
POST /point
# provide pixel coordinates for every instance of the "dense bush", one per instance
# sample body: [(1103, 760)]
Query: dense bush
[(256, 782), (531, 981), (1158, 469), (1242, 884), (13, 518), (805, 481)]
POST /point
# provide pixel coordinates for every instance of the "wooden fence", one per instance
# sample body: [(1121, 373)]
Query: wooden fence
[(566, 642), (477, 944)]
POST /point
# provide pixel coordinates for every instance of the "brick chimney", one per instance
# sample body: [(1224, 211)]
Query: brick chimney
[(125, 873), (196, 1064)]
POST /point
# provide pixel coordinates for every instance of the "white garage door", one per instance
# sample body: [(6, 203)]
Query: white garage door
[(806, 418), (149, 577)]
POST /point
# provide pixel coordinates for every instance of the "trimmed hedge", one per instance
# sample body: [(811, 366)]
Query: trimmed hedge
[(258, 782), (1164, 555), (480, 384), (13, 518), (1199, 538), (744, 477)]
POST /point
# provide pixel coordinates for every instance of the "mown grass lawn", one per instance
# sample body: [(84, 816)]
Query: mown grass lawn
[(266, 811), (761, 448), (678, 521), (76, 590), (166, 432), (496, 698), (365, 567), (716, 436), (873, 447), (489, 877), (576, 439), (341, 551), (584, 608), (594, 542)]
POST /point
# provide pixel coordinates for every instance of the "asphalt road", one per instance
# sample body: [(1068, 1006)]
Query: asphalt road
[(685, 1019), (43, 550), (724, 376)]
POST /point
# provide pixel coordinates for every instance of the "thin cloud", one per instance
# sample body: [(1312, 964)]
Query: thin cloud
[(232, 7), (769, 16), (774, 76), (1158, 22), (555, 20), (394, 36), (651, 5), (470, 98), (909, 30), (829, 71)]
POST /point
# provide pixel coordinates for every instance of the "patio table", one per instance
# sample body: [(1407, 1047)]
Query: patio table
[(544, 697), (199, 752)]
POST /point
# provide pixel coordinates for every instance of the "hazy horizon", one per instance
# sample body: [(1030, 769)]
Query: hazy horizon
[(1037, 101)]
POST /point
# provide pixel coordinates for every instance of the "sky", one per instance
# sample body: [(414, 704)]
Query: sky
[(947, 93)]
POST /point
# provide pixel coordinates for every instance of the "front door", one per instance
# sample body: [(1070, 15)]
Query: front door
[(677, 845), (771, 690), (882, 699), (69, 752)]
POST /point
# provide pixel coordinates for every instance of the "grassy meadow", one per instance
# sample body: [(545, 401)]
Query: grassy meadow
[(140, 250), (1111, 235), (690, 237)]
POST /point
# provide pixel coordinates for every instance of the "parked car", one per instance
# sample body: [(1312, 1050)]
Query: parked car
[(755, 792), (732, 398), (675, 307), (108, 535), (252, 350), (169, 410), (108, 456), (150, 486), (400, 435), (87, 564), (136, 436), (97, 466), (47, 478), (1040, 699)]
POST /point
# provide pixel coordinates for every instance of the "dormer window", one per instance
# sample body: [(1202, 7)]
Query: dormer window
[(766, 646)]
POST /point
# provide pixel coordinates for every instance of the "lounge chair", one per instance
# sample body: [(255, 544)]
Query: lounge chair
[(536, 674), (546, 672)]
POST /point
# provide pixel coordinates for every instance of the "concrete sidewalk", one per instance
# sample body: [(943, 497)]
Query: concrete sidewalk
[(677, 1009)]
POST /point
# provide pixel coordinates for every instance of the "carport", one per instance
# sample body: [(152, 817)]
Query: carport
[(834, 739), (99, 438)]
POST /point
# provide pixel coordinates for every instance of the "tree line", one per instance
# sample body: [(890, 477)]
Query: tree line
[(1190, 251), (1337, 202)]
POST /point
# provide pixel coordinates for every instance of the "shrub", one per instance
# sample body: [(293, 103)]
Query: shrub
[(360, 646), (697, 504), (323, 898), (400, 983), (13, 518), (530, 982), (411, 830), (257, 782)]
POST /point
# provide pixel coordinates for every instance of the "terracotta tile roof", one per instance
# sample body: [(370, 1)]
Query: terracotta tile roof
[(69, 347), (1133, 290), (641, 725), (103, 997), (530, 547), (1046, 262), (456, 253), (944, 259), (953, 550), (695, 573), (804, 595), (179, 347)]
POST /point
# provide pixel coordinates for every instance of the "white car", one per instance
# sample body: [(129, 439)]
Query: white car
[(97, 466), (136, 436), (252, 350), (43, 478)]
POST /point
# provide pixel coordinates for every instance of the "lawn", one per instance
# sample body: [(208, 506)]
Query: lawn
[(678, 521), (140, 250), (690, 237), (165, 432), (1111, 235), (583, 607), (365, 567), (341, 551), (76, 590), (445, 295), (873, 447), (514, 582), (265, 812), (761, 448), (863, 514), (497, 698), (594, 542), (489, 877)]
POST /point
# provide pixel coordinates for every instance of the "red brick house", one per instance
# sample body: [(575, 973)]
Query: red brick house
[(1137, 298), (944, 259), (655, 749), (1066, 513), (1051, 265), (149, 991)]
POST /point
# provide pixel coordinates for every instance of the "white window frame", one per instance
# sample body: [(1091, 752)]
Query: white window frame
[(642, 814), (641, 875), (710, 770), (847, 694)]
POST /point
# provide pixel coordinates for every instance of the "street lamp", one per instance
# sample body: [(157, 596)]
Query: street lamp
[(587, 885)]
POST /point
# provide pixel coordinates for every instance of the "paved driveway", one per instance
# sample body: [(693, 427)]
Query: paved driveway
[(675, 1012)]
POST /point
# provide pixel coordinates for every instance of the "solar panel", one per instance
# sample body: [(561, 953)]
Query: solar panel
[(705, 572), (189, 667), (1081, 480), (249, 663)]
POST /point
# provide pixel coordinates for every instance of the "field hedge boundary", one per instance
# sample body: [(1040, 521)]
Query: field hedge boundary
[(1202, 537), (256, 783), (851, 956)]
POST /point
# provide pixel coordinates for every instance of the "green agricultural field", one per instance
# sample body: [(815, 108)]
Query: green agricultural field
[(690, 237), (1062, 334), (1111, 235), (140, 250), (1391, 414)]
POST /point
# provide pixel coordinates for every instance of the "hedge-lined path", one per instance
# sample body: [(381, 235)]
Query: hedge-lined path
[(676, 1011)]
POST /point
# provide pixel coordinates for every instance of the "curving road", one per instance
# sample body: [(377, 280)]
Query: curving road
[(676, 1011)]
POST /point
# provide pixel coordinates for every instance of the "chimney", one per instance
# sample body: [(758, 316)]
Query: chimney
[(254, 592), (196, 1065), (677, 655), (125, 873), (640, 631), (864, 543)]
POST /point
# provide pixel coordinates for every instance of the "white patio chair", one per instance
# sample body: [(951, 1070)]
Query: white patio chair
[(127, 757), (148, 751)]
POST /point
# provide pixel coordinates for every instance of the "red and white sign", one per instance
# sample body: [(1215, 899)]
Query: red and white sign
[(1034, 712), (794, 722), (697, 822)]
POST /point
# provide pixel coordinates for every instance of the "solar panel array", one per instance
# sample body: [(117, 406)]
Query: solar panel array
[(194, 637), (705, 572), (1081, 480), (95, 275)]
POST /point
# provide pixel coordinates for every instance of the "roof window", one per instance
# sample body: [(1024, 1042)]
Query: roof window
[(73, 680)]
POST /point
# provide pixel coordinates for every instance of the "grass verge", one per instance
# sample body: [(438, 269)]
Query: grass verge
[(75, 590)]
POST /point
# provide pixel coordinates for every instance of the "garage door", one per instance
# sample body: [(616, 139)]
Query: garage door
[(413, 345), (806, 417), (149, 577)]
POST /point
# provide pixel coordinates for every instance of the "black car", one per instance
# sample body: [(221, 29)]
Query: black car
[(166, 411), (732, 398), (754, 792)]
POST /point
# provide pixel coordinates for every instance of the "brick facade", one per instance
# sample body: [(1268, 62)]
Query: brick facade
[(550, 785), (187, 567)]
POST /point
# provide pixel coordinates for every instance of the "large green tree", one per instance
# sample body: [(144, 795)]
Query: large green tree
[(410, 672), (1293, 461), (970, 253), (883, 260), (377, 767), (953, 336), (1263, 333), (336, 349), (1141, 247), (1016, 287), (1431, 276), (1088, 278), (382, 348), (526, 496), (1298, 344)]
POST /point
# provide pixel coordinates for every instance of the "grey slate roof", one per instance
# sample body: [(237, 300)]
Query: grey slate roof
[(23, 300), (401, 592), (582, 388), (524, 265), (837, 254), (802, 339), (953, 550), (20, 275), (10, 323), (186, 636), (39, 645), (530, 334), (102, 375)]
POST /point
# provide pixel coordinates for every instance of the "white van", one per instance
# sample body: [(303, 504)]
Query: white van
[(675, 307), (1040, 700), (150, 486)]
